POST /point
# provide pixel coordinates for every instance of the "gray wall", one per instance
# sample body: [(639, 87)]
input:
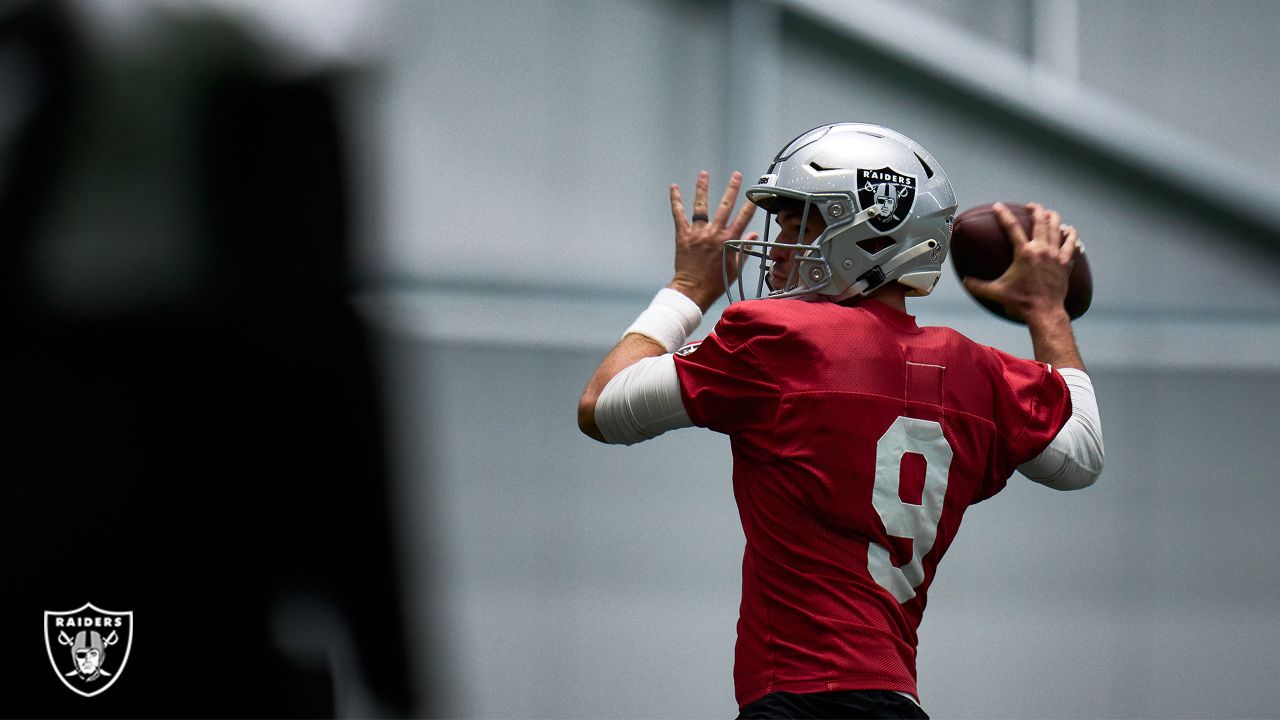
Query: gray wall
[(521, 223)]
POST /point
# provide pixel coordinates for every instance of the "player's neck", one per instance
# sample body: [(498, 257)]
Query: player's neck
[(893, 295)]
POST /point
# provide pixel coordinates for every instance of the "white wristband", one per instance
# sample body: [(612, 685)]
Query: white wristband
[(668, 320)]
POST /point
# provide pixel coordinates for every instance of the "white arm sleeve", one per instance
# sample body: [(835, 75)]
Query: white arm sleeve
[(641, 402), (1073, 459)]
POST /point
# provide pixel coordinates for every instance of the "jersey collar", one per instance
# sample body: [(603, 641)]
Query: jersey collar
[(892, 316)]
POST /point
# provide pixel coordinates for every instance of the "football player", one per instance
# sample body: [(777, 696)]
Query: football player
[(859, 437)]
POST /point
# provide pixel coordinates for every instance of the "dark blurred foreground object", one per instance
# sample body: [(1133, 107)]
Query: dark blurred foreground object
[(980, 248), (190, 428)]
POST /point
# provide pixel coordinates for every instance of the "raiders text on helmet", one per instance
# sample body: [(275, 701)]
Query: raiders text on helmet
[(887, 205)]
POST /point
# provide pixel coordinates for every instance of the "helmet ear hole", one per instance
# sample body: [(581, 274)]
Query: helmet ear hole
[(873, 245), (928, 171)]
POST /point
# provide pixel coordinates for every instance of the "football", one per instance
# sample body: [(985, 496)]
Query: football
[(980, 249)]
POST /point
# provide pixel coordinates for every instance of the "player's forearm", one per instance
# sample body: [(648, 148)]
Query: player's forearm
[(1052, 340), (630, 350), (661, 328), (677, 309)]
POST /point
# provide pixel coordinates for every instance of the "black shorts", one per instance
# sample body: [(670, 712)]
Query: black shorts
[(838, 704)]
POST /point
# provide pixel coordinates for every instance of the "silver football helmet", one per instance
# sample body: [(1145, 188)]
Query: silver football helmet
[(888, 209)]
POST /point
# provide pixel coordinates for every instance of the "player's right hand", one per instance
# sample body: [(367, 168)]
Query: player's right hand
[(699, 267), (1036, 283)]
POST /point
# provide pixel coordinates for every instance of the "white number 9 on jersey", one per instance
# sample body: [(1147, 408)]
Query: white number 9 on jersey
[(918, 523)]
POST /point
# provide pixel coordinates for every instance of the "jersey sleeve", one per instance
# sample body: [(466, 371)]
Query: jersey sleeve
[(724, 384), (1032, 404)]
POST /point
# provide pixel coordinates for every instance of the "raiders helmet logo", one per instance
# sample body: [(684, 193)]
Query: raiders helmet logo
[(88, 647), (892, 193)]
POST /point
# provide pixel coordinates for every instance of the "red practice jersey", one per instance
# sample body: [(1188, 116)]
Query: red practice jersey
[(859, 439)]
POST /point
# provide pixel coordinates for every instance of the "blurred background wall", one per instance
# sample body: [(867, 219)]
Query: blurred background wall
[(509, 165), (525, 223)]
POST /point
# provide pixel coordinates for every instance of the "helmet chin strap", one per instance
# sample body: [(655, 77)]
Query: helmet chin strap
[(875, 276)]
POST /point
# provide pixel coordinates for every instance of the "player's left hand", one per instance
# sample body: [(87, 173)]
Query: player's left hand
[(1036, 284), (699, 267)]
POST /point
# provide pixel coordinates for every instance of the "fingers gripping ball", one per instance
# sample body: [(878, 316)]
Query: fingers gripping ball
[(980, 249)]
